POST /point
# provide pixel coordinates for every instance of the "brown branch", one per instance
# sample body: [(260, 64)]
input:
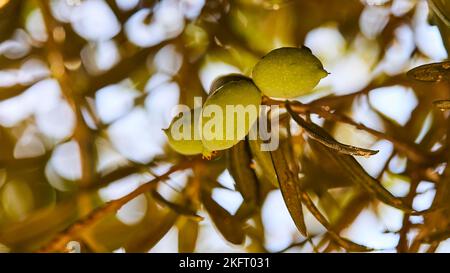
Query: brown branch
[(433, 247), (438, 223), (10, 92), (82, 134), (76, 229), (394, 80), (402, 245)]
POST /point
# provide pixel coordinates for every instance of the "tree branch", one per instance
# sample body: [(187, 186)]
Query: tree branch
[(76, 229)]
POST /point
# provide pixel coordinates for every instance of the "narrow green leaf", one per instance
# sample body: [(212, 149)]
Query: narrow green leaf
[(320, 135)]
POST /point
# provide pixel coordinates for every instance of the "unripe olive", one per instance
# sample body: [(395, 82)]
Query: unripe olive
[(183, 134), (288, 72), (220, 81), (224, 126)]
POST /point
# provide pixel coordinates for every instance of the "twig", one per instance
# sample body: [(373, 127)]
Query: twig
[(60, 241), (402, 245), (82, 133), (331, 100), (437, 228), (296, 244)]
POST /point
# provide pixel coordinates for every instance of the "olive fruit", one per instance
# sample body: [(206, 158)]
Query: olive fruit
[(182, 136), (220, 81), (288, 72), (229, 112)]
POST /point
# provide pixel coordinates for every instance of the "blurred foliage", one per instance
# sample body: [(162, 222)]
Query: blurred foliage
[(318, 175)]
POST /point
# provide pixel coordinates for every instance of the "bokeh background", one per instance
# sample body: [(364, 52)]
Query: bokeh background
[(87, 85)]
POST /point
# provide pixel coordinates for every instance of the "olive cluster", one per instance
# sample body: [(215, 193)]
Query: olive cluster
[(283, 73)]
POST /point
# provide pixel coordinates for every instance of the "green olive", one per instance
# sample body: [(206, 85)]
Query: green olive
[(182, 136), (220, 81), (229, 112), (288, 72)]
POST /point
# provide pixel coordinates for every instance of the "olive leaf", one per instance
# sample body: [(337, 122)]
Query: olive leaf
[(290, 189), (372, 185), (263, 162), (239, 165), (356, 173), (433, 72), (331, 206), (317, 133), (110, 233), (178, 208), (442, 104), (295, 196), (353, 169), (228, 225), (146, 239), (439, 8), (343, 242), (319, 174), (45, 222), (187, 235)]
